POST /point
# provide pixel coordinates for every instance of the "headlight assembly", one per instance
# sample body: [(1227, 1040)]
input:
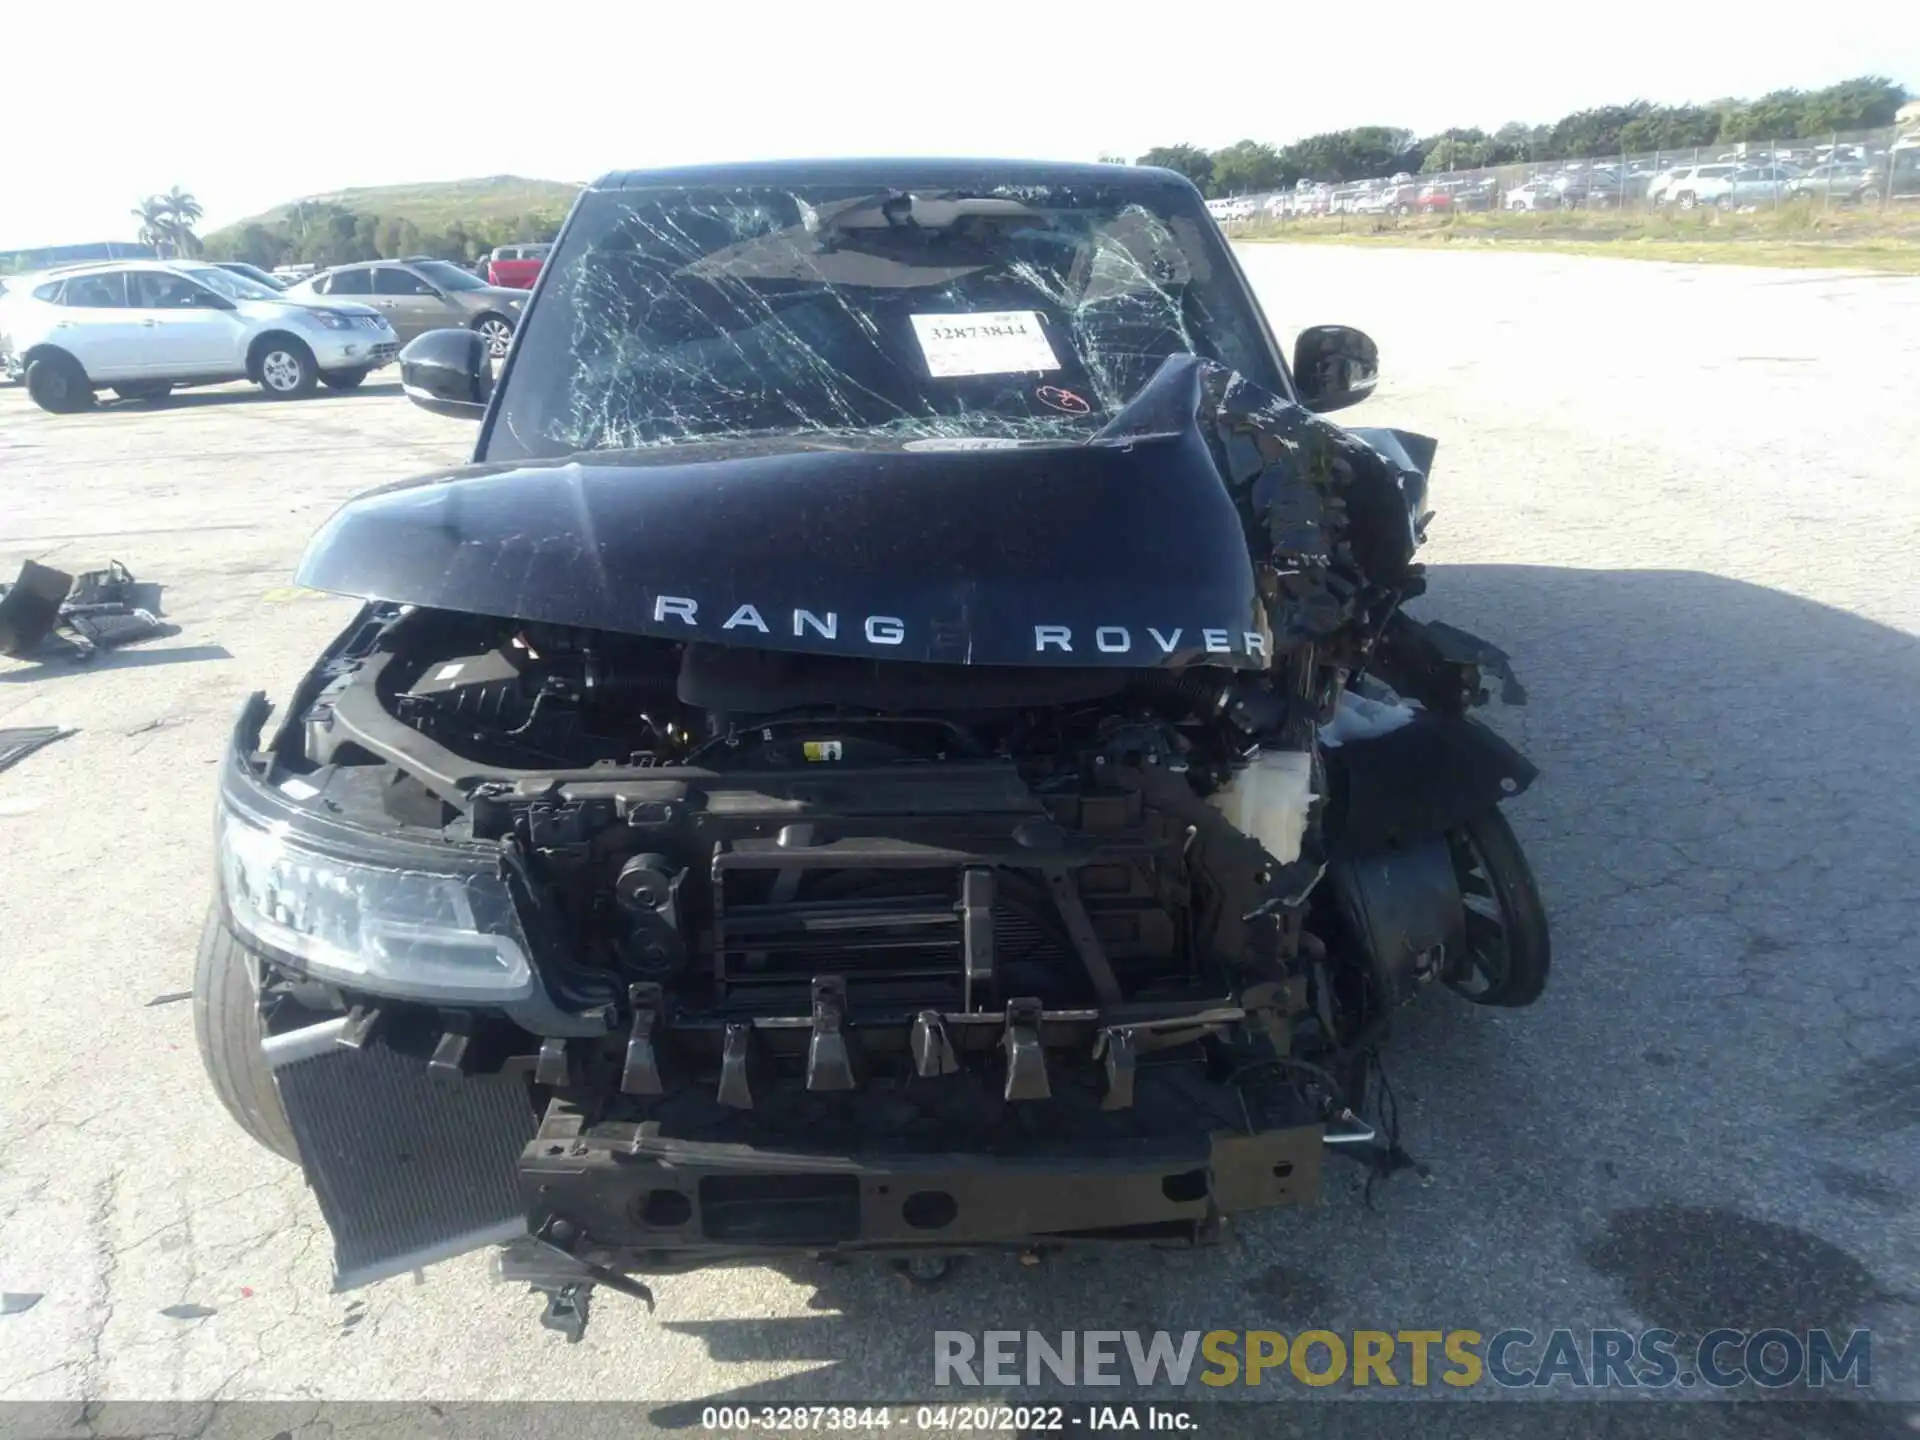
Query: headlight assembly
[(447, 936), (330, 319)]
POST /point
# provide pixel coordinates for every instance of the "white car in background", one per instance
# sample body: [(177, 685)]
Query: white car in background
[(1692, 185), (1533, 195), (141, 327)]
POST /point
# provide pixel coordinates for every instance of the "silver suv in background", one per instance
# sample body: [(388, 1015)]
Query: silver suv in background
[(141, 327), (418, 295), (1691, 185)]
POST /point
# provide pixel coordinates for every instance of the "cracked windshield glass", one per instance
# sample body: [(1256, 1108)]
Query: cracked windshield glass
[(1006, 314)]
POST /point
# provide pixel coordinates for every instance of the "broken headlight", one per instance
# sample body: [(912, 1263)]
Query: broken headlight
[(442, 936)]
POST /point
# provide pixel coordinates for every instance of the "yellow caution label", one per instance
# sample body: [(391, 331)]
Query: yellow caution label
[(816, 750)]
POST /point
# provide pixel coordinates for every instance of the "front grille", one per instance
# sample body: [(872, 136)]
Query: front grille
[(386, 351), (370, 322)]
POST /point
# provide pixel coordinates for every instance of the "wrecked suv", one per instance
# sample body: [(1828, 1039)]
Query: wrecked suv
[(905, 739)]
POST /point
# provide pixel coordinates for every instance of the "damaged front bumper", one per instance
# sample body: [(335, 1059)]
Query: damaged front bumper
[(413, 1163), (617, 1194)]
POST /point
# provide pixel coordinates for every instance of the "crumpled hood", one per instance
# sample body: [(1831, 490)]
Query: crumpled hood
[(1129, 550)]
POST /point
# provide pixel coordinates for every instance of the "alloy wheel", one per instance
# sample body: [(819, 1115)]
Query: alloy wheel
[(280, 371)]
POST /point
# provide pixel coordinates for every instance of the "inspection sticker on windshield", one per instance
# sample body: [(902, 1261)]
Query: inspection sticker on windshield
[(1003, 342)]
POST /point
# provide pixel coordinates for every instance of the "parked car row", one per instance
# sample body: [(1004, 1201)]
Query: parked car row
[(1833, 174)]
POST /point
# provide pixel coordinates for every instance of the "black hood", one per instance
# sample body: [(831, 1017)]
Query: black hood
[(1125, 550)]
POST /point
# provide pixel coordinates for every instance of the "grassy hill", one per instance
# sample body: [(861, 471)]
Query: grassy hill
[(434, 204), (454, 219)]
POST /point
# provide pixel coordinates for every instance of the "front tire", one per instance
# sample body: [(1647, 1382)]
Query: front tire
[(286, 370), (226, 1023), (343, 379), (497, 332), (1508, 949), (58, 385)]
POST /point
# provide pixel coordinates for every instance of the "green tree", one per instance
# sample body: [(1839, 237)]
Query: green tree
[(1246, 167), (183, 213), (1593, 132), (1670, 127), (1869, 102), (257, 245), (152, 215), (1363, 153), (1468, 149), (1190, 160)]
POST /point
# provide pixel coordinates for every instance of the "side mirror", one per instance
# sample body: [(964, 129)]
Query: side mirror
[(1334, 366), (448, 372)]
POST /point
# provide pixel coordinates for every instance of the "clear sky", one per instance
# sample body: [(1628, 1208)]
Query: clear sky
[(250, 106)]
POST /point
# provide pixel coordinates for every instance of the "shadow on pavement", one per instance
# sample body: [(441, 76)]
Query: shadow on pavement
[(1717, 760), (133, 657), (197, 399)]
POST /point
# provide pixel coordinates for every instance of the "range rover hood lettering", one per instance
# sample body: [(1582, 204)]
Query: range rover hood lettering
[(1126, 551)]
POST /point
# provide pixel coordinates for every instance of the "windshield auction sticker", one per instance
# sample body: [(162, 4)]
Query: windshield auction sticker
[(1001, 342)]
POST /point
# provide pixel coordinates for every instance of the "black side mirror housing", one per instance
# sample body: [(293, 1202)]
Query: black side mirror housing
[(1334, 366), (448, 372)]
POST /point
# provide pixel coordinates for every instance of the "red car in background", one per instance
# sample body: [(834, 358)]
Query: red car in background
[(516, 266)]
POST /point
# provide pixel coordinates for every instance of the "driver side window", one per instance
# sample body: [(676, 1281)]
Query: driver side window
[(162, 290), (392, 280)]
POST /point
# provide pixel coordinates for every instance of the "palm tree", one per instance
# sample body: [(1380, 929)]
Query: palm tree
[(154, 218), (183, 211)]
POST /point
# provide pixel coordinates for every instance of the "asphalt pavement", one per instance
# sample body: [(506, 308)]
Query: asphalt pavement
[(1684, 499)]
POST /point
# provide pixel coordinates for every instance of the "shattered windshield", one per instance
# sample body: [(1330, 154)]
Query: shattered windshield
[(1022, 313)]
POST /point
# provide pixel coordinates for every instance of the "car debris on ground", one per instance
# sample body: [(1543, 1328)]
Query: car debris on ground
[(16, 745), (49, 612)]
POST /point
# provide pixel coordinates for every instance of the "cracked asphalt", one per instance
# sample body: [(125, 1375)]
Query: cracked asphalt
[(1684, 500)]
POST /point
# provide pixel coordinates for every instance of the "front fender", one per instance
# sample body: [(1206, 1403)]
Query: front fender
[(1425, 778)]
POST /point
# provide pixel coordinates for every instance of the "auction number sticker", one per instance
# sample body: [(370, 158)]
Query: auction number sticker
[(999, 342)]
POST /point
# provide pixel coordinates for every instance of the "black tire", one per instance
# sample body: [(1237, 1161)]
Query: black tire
[(1508, 970), (285, 369), (226, 1022), (498, 330), (144, 392), (342, 379), (58, 384)]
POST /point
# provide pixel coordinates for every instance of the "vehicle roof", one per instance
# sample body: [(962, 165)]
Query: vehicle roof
[(880, 172), (83, 267)]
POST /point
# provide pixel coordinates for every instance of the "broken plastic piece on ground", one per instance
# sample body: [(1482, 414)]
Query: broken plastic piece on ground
[(172, 997), (96, 611), (16, 745), (189, 1312), (30, 607), (18, 1302)]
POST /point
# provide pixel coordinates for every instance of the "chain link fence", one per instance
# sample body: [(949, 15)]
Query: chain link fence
[(1844, 169)]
